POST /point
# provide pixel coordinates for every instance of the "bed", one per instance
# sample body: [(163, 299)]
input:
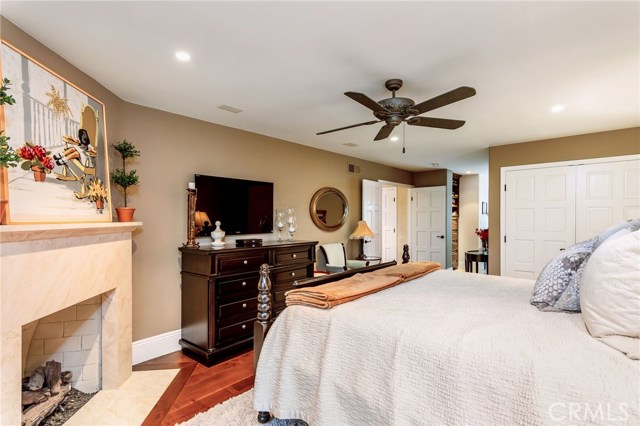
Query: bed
[(448, 348)]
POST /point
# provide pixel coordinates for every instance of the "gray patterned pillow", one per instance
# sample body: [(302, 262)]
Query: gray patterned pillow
[(558, 285), (631, 225)]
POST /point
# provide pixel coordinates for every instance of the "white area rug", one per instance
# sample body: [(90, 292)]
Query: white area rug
[(237, 411)]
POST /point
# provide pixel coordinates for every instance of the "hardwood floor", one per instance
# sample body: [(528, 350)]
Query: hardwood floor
[(197, 388)]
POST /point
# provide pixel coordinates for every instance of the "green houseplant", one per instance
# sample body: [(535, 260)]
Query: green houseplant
[(123, 178), (8, 157)]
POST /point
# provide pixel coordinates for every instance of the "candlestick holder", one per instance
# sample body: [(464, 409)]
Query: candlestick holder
[(192, 195)]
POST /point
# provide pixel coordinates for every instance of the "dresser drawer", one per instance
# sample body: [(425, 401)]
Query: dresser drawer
[(228, 265), (235, 288), (238, 308), (290, 275), (292, 256), (236, 331)]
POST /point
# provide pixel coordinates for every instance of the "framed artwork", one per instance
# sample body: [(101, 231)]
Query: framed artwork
[(58, 131)]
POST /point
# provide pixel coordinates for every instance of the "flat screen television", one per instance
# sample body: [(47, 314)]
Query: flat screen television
[(242, 206)]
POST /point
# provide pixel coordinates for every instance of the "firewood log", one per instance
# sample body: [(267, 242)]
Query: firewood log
[(33, 397), (36, 381), (66, 376), (52, 373), (34, 414)]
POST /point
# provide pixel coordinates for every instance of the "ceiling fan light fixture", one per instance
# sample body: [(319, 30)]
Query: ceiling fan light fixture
[(557, 108), (394, 138)]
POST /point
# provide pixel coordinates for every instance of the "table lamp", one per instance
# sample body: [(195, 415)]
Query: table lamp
[(364, 234), (202, 219)]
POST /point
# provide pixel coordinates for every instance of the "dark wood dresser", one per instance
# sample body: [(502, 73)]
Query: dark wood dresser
[(220, 289)]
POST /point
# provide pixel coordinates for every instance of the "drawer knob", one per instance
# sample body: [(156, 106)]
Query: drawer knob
[(294, 255), (244, 326), (293, 274), (244, 305), (244, 283), (245, 262)]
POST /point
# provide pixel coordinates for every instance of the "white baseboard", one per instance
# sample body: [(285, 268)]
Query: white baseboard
[(155, 346)]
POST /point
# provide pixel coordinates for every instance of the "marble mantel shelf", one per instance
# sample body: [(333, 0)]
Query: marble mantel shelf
[(32, 232)]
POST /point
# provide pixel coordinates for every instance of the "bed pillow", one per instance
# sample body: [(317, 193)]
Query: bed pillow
[(561, 274), (610, 293), (631, 226)]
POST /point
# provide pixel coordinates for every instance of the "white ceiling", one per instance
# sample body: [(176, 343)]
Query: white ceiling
[(287, 65)]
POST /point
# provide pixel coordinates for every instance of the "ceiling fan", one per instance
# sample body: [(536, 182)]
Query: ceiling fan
[(393, 111)]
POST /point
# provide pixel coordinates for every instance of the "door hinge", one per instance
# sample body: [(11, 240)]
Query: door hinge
[(505, 238), (505, 187), (394, 199), (412, 198), (394, 230)]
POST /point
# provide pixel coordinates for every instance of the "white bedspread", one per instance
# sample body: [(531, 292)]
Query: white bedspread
[(449, 348)]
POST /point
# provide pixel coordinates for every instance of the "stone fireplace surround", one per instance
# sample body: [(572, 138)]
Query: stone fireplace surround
[(46, 268)]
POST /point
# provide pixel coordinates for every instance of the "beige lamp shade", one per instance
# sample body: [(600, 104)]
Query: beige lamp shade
[(201, 218), (362, 231)]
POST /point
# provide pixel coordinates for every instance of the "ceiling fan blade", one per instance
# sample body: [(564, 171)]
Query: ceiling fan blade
[(384, 132), (440, 123), (455, 95), (366, 101), (349, 127)]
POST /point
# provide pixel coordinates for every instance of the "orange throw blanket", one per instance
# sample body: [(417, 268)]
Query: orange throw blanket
[(329, 295), (408, 271)]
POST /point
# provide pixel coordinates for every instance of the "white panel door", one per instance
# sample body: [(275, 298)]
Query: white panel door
[(428, 216), (371, 213), (389, 214), (539, 218), (606, 194)]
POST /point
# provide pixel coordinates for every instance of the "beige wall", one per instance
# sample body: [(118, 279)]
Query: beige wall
[(174, 148), (593, 145), (430, 178)]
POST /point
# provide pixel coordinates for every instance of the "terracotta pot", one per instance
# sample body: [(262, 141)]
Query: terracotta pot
[(38, 174), (100, 204), (3, 209), (125, 214)]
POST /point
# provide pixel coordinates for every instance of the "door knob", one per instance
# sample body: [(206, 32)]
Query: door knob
[(441, 236)]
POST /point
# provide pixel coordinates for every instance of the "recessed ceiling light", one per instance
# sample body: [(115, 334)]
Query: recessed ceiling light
[(435, 164), (394, 139), (468, 172), (557, 108), (183, 56)]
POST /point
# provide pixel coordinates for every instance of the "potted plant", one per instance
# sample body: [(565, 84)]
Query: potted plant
[(35, 158), (125, 179), (97, 193), (8, 157)]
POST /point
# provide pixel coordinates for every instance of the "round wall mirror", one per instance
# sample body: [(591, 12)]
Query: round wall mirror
[(329, 209)]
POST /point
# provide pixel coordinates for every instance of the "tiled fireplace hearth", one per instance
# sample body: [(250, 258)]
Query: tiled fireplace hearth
[(45, 269)]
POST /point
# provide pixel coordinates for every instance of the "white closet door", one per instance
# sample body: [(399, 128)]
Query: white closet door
[(389, 244), (428, 217), (607, 193), (371, 213), (539, 219)]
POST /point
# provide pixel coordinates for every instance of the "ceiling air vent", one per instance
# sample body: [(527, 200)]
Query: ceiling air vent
[(350, 145), (229, 109)]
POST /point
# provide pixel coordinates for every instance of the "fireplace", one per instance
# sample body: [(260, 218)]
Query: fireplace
[(46, 269)]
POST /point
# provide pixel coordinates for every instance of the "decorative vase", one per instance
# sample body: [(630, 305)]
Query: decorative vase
[(38, 173), (485, 245), (217, 235), (125, 214)]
